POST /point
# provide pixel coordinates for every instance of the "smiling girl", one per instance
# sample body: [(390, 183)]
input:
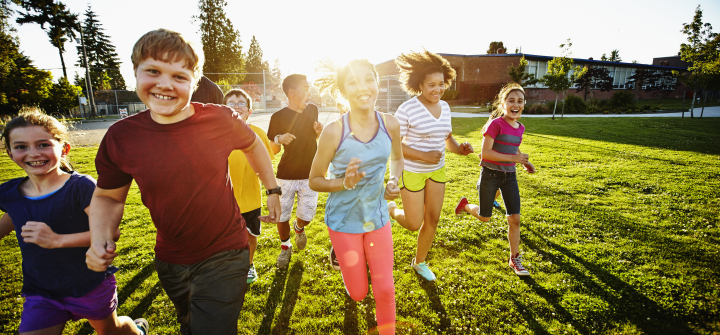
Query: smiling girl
[(48, 211), (502, 135), (427, 133)]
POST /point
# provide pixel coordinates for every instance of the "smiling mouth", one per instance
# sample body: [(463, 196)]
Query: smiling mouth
[(162, 97), (36, 163), (364, 98)]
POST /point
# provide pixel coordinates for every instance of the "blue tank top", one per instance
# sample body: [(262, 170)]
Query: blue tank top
[(362, 209)]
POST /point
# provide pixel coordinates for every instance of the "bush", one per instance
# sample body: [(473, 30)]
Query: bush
[(574, 104), (646, 107), (592, 110), (622, 99), (537, 109), (450, 94)]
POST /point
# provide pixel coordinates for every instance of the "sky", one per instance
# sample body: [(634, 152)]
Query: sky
[(299, 33)]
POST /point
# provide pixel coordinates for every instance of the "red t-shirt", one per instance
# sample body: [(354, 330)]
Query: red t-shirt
[(182, 171)]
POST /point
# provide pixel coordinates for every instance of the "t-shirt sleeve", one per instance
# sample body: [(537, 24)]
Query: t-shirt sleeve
[(84, 188), (273, 128), (493, 129), (402, 117), (266, 142), (110, 176)]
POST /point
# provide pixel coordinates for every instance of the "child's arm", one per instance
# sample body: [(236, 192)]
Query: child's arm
[(529, 167), (6, 225), (105, 212), (397, 164), (461, 149), (41, 234), (329, 140), (260, 162), (489, 154)]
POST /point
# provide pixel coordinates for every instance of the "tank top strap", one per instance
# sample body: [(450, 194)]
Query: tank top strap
[(383, 125), (345, 129)]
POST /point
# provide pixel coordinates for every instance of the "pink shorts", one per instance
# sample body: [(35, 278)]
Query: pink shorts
[(41, 312)]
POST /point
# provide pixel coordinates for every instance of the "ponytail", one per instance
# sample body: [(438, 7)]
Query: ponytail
[(497, 106)]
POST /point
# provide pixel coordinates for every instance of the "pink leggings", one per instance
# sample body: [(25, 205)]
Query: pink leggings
[(375, 249)]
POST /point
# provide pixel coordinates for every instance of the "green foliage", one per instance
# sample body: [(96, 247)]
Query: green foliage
[(254, 62), (557, 78), (575, 104), (518, 75), (221, 42), (450, 94), (622, 99), (101, 56), (615, 56), (494, 46), (64, 95), (593, 77)]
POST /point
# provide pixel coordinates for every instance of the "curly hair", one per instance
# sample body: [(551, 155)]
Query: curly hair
[(33, 116), (497, 104), (415, 66), (333, 80)]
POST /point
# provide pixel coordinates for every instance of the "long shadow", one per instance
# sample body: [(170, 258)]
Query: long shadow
[(527, 314), (554, 300), (431, 291), (276, 293), (135, 282), (292, 289), (369, 315), (350, 322), (633, 306)]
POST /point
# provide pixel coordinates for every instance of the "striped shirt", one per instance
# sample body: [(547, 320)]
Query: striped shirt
[(421, 131), (507, 141)]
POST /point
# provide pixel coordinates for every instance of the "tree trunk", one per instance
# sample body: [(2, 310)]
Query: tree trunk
[(555, 107), (692, 104), (62, 61), (563, 107), (703, 106), (683, 108)]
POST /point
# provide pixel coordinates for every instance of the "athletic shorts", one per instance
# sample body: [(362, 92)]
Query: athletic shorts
[(252, 221), (306, 199), (415, 182), (41, 312)]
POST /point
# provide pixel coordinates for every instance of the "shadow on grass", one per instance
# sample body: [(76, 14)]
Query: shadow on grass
[(292, 289), (350, 323), (276, 292), (430, 288), (529, 317), (632, 306), (553, 300)]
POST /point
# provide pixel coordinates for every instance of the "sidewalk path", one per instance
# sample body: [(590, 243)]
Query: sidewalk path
[(709, 112)]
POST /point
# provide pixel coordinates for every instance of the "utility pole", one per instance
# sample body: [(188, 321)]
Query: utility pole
[(88, 82), (264, 93)]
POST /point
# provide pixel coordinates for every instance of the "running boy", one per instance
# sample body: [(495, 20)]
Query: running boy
[(177, 153), (295, 127), (246, 185)]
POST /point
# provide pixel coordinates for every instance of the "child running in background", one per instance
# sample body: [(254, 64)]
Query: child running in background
[(48, 210), (502, 135), (356, 149), (246, 184), (427, 132)]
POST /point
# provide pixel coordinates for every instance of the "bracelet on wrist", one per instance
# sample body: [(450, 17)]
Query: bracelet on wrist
[(345, 187)]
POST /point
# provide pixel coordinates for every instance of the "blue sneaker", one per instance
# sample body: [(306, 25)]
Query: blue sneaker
[(423, 270), (252, 274), (496, 205)]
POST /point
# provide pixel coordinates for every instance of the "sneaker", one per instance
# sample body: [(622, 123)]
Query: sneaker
[(496, 204), (516, 264), (333, 260), (300, 239), (460, 208), (143, 325), (252, 274), (284, 257), (423, 270)]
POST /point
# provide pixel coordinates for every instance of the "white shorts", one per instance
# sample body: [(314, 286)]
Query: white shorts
[(306, 199)]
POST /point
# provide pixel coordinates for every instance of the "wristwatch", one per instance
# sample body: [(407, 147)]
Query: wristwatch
[(276, 190), (276, 141)]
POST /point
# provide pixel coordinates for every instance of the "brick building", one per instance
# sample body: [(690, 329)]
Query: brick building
[(480, 77)]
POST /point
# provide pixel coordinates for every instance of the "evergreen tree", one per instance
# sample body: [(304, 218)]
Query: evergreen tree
[(102, 59), (494, 46), (221, 42), (615, 56), (254, 63)]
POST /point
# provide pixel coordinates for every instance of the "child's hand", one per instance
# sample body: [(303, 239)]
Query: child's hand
[(432, 156), (522, 158), (100, 255), (41, 234), (285, 139), (529, 167), (392, 191), (466, 149), (318, 127), (274, 210), (352, 176)]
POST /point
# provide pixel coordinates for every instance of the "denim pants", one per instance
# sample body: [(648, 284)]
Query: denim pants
[(208, 295), (492, 180)]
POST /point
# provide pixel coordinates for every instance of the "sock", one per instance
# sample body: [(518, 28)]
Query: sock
[(298, 229), (285, 244), (142, 332)]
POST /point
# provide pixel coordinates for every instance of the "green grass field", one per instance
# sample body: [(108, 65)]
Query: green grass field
[(619, 229)]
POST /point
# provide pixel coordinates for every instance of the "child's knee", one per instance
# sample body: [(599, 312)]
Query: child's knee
[(357, 294), (514, 220), (484, 218)]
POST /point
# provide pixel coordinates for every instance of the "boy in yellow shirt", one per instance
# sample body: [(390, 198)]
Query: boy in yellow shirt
[(246, 184)]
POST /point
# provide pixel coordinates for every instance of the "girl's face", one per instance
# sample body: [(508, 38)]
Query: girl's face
[(433, 87), (35, 150), (361, 88), (513, 106)]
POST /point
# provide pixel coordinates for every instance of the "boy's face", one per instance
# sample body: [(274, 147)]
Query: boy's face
[(300, 95), (244, 111), (166, 89)]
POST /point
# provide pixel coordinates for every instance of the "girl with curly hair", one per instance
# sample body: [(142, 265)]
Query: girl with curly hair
[(426, 131)]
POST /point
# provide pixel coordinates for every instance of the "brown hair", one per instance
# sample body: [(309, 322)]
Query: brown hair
[(33, 116), (415, 66), (497, 104), (333, 82), (240, 93), (167, 45), (292, 81)]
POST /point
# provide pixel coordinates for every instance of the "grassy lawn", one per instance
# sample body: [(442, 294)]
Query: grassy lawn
[(676, 104), (620, 231), (471, 110)]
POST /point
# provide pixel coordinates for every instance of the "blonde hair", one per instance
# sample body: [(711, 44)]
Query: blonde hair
[(167, 45), (333, 80), (33, 116), (498, 103), (415, 66)]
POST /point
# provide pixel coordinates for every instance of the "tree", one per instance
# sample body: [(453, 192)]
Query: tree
[(604, 58), (494, 46), (517, 74), (615, 56), (254, 62), (9, 52), (64, 95), (221, 42), (594, 77), (558, 78), (702, 53), (61, 22), (102, 59)]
